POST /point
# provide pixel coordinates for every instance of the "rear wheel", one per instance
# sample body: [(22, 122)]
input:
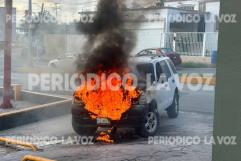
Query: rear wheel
[(53, 65), (173, 110), (83, 130), (150, 123)]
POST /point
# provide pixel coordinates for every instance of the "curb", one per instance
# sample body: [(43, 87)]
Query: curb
[(211, 81), (34, 158), (20, 143), (59, 107)]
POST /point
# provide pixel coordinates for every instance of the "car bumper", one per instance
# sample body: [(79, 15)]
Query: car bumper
[(132, 118)]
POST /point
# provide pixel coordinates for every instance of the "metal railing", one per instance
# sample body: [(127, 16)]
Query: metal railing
[(191, 43)]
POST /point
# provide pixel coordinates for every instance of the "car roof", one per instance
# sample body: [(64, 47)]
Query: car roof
[(158, 48)]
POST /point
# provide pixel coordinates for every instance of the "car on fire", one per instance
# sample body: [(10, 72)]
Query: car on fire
[(144, 115)]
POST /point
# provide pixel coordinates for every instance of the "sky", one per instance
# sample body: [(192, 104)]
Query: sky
[(67, 9)]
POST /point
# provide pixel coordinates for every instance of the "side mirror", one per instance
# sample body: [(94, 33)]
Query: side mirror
[(163, 79)]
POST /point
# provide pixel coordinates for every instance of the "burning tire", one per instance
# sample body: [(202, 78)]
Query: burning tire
[(83, 130), (173, 110), (150, 123)]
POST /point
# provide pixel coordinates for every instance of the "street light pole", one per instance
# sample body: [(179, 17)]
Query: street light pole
[(7, 56), (30, 7), (56, 10)]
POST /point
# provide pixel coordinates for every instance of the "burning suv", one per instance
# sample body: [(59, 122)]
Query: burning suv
[(157, 92)]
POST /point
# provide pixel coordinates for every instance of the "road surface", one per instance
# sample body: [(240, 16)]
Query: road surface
[(195, 119)]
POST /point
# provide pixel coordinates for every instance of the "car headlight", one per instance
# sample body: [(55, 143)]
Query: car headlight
[(77, 101), (142, 99)]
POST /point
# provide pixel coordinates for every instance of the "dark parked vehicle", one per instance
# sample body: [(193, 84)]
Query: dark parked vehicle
[(168, 52)]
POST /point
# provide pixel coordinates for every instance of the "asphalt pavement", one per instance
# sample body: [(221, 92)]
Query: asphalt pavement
[(195, 119)]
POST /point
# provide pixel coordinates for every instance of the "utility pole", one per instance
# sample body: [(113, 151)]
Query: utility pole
[(30, 32), (41, 12), (56, 9), (7, 56), (30, 7), (42, 9)]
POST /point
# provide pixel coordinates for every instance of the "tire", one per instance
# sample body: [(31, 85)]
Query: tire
[(53, 66), (83, 130), (150, 122), (173, 110)]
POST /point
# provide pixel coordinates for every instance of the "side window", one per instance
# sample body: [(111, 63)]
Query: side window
[(165, 68), (172, 66), (152, 73), (158, 71), (144, 70)]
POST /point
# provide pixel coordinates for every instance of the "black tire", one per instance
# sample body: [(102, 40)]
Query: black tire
[(83, 130), (54, 66), (150, 123), (173, 110)]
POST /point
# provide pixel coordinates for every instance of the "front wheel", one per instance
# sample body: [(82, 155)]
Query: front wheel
[(150, 123), (82, 130), (173, 110)]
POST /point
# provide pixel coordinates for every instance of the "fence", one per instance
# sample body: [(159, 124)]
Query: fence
[(191, 43)]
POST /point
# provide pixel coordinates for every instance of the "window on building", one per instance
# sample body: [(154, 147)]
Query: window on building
[(187, 7)]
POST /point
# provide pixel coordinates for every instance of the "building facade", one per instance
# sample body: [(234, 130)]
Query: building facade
[(210, 7)]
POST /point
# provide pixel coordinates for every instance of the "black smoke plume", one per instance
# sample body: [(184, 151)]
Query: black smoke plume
[(109, 44)]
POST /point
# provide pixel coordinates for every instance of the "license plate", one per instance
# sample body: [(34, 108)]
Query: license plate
[(103, 121)]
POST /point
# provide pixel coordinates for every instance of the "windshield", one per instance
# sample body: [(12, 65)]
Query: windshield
[(149, 52), (143, 70), (167, 50)]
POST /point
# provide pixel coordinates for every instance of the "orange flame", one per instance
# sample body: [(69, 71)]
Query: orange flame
[(104, 102), (104, 137)]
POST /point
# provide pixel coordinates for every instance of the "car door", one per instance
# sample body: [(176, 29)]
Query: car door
[(161, 87), (174, 72), (170, 83)]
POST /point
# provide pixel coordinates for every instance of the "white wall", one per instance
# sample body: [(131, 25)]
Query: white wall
[(213, 7), (177, 4), (148, 32)]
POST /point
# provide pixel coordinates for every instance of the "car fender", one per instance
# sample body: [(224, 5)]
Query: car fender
[(55, 62)]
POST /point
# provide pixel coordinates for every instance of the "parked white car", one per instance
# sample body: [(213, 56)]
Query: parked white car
[(66, 62), (164, 83)]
